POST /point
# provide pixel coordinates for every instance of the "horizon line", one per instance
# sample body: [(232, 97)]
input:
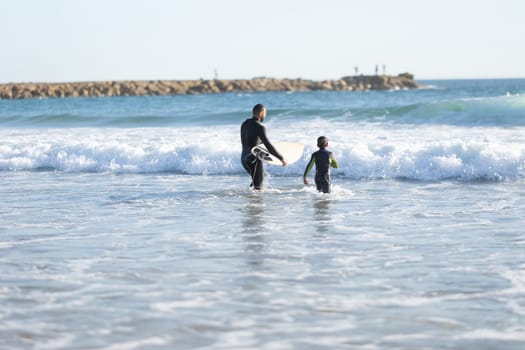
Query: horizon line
[(254, 78)]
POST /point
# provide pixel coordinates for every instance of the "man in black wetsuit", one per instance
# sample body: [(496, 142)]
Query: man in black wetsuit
[(252, 134)]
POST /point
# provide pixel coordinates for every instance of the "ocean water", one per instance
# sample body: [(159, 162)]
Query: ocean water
[(128, 223)]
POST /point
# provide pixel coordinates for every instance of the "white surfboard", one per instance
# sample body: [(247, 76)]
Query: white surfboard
[(291, 151)]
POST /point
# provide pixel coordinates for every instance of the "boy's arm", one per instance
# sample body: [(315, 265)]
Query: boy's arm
[(333, 162), (308, 168)]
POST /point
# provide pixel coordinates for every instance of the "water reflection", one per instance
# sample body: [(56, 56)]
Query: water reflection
[(253, 229), (253, 214), (322, 216)]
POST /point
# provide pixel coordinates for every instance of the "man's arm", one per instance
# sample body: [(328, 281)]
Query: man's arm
[(269, 146), (266, 141)]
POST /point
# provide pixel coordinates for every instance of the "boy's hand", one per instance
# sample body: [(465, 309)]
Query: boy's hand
[(305, 181)]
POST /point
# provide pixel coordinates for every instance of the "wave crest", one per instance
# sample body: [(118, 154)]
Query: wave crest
[(218, 153)]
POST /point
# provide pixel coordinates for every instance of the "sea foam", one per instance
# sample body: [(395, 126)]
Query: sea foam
[(362, 152)]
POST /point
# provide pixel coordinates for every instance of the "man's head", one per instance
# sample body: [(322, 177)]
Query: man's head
[(322, 142), (259, 112)]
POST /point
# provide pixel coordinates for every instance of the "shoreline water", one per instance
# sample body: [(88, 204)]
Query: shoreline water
[(10, 91)]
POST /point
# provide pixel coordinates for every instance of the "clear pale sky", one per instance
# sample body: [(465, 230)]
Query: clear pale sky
[(74, 40)]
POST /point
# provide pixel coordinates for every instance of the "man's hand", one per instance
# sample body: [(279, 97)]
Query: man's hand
[(285, 163), (305, 181)]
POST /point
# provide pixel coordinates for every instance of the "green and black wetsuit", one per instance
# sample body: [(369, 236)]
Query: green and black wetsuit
[(252, 134), (323, 160)]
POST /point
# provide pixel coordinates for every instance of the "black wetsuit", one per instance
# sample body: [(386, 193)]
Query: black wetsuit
[(322, 159), (252, 134)]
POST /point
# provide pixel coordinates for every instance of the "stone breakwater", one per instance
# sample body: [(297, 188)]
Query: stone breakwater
[(174, 87)]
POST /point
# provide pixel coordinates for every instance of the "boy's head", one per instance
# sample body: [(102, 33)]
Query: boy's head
[(322, 142)]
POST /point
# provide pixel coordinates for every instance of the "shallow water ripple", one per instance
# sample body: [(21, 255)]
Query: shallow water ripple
[(148, 262)]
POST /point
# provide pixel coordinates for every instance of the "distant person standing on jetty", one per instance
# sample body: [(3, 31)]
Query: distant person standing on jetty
[(323, 160), (252, 134)]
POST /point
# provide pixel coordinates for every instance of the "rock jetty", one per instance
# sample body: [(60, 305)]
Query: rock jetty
[(174, 87)]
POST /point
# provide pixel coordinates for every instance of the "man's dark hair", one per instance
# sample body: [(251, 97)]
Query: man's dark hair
[(257, 109)]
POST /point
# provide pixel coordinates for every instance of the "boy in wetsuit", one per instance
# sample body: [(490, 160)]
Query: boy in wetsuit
[(323, 160), (252, 134)]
